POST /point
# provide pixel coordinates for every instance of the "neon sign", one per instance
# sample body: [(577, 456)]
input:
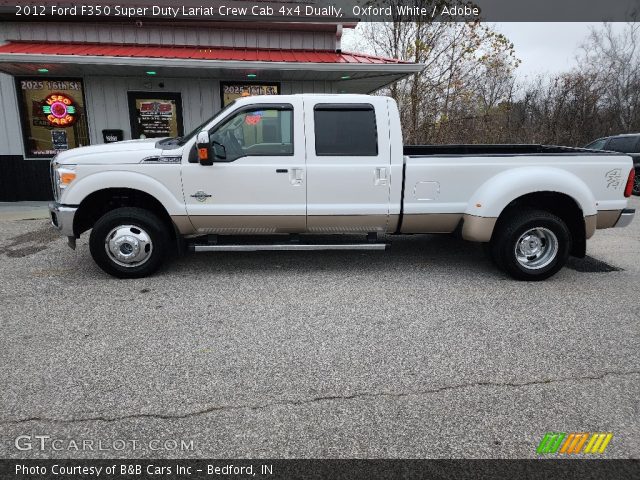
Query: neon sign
[(60, 110), (253, 118)]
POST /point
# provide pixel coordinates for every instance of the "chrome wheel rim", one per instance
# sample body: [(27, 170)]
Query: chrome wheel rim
[(128, 246), (536, 248)]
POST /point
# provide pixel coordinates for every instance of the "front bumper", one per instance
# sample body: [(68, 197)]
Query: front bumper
[(62, 218), (625, 217)]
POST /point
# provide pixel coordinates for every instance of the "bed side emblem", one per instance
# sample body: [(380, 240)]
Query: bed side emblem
[(614, 178)]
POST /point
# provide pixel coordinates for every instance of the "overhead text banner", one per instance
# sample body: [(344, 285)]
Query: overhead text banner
[(335, 11)]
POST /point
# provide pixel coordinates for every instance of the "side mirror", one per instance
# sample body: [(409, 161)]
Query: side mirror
[(205, 156)]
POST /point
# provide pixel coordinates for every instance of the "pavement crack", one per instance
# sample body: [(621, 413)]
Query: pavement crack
[(323, 398)]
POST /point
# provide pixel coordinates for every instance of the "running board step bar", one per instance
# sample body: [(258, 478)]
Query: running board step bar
[(285, 247)]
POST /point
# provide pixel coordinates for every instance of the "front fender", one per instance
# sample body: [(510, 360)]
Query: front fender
[(491, 198), (86, 185)]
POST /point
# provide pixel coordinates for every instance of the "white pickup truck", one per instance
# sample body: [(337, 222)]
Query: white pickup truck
[(331, 164)]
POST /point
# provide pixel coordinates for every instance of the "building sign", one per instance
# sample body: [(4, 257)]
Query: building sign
[(60, 110), (112, 135), (53, 115), (155, 115), (232, 90)]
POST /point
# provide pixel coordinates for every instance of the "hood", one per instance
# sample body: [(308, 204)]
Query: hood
[(128, 151)]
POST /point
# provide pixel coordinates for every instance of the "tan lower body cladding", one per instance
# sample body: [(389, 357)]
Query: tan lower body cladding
[(430, 222), (240, 224), (607, 218), (603, 219), (475, 229), (269, 224)]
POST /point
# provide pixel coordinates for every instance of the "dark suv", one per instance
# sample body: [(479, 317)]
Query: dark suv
[(628, 143)]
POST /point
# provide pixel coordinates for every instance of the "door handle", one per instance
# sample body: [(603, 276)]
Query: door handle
[(282, 170), (380, 176)]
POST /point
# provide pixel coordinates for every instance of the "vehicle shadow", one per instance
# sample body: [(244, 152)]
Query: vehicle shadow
[(434, 252)]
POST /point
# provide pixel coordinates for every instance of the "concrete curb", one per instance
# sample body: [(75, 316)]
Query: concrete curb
[(23, 211)]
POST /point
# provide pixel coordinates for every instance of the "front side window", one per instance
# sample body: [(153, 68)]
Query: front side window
[(256, 132), (345, 130)]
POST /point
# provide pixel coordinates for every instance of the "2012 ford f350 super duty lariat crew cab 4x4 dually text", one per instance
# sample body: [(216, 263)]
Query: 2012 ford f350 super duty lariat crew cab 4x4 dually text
[(331, 164)]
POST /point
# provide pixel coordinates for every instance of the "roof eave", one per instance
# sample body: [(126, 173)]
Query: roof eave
[(406, 68)]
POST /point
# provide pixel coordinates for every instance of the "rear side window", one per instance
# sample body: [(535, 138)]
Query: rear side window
[(346, 130), (623, 144)]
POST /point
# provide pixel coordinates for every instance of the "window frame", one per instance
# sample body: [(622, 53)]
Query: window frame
[(345, 107), (24, 117), (254, 107)]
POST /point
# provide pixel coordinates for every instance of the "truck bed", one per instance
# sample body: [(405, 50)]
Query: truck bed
[(446, 182), (496, 149)]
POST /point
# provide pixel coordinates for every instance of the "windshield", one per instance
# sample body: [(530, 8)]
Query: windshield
[(194, 132)]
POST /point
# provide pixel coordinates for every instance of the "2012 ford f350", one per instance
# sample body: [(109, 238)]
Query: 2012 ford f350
[(331, 164)]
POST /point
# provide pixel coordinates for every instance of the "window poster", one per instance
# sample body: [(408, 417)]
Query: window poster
[(53, 115), (233, 90), (155, 115)]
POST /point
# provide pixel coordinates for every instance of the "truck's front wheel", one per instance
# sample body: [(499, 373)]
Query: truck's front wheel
[(129, 242), (531, 245)]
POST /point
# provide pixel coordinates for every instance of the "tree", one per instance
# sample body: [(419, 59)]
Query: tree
[(614, 60), (468, 93), (454, 55)]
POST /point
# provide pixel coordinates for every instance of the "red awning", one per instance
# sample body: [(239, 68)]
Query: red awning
[(192, 53)]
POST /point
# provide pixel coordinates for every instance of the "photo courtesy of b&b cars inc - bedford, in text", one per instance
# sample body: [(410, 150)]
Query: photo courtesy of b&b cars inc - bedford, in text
[(314, 239)]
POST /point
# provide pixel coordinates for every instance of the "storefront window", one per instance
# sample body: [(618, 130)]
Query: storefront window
[(53, 115), (155, 115), (233, 90)]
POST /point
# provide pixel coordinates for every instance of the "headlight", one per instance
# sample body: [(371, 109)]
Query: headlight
[(66, 175), (63, 175)]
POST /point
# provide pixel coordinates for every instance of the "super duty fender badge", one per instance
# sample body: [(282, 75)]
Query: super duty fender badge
[(614, 178), (201, 196)]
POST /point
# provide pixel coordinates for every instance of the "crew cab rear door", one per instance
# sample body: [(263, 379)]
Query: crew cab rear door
[(348, 165)]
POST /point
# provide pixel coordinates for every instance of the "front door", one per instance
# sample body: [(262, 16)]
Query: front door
[(260, 187), (348, 166)]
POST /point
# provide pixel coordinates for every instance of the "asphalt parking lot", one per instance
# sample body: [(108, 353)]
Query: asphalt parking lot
[(420, 351)]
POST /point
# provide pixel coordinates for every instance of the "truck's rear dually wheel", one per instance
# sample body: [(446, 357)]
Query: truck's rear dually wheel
[(531, 245), (129, 242)]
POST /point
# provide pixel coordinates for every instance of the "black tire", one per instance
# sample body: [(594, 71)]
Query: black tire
[(549, 231), (146, 225)]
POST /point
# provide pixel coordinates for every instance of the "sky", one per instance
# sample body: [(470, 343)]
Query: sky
[(546, 47), (542, 47)]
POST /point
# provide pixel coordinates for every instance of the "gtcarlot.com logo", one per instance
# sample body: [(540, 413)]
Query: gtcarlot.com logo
[(46, 443), (572, 443)]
